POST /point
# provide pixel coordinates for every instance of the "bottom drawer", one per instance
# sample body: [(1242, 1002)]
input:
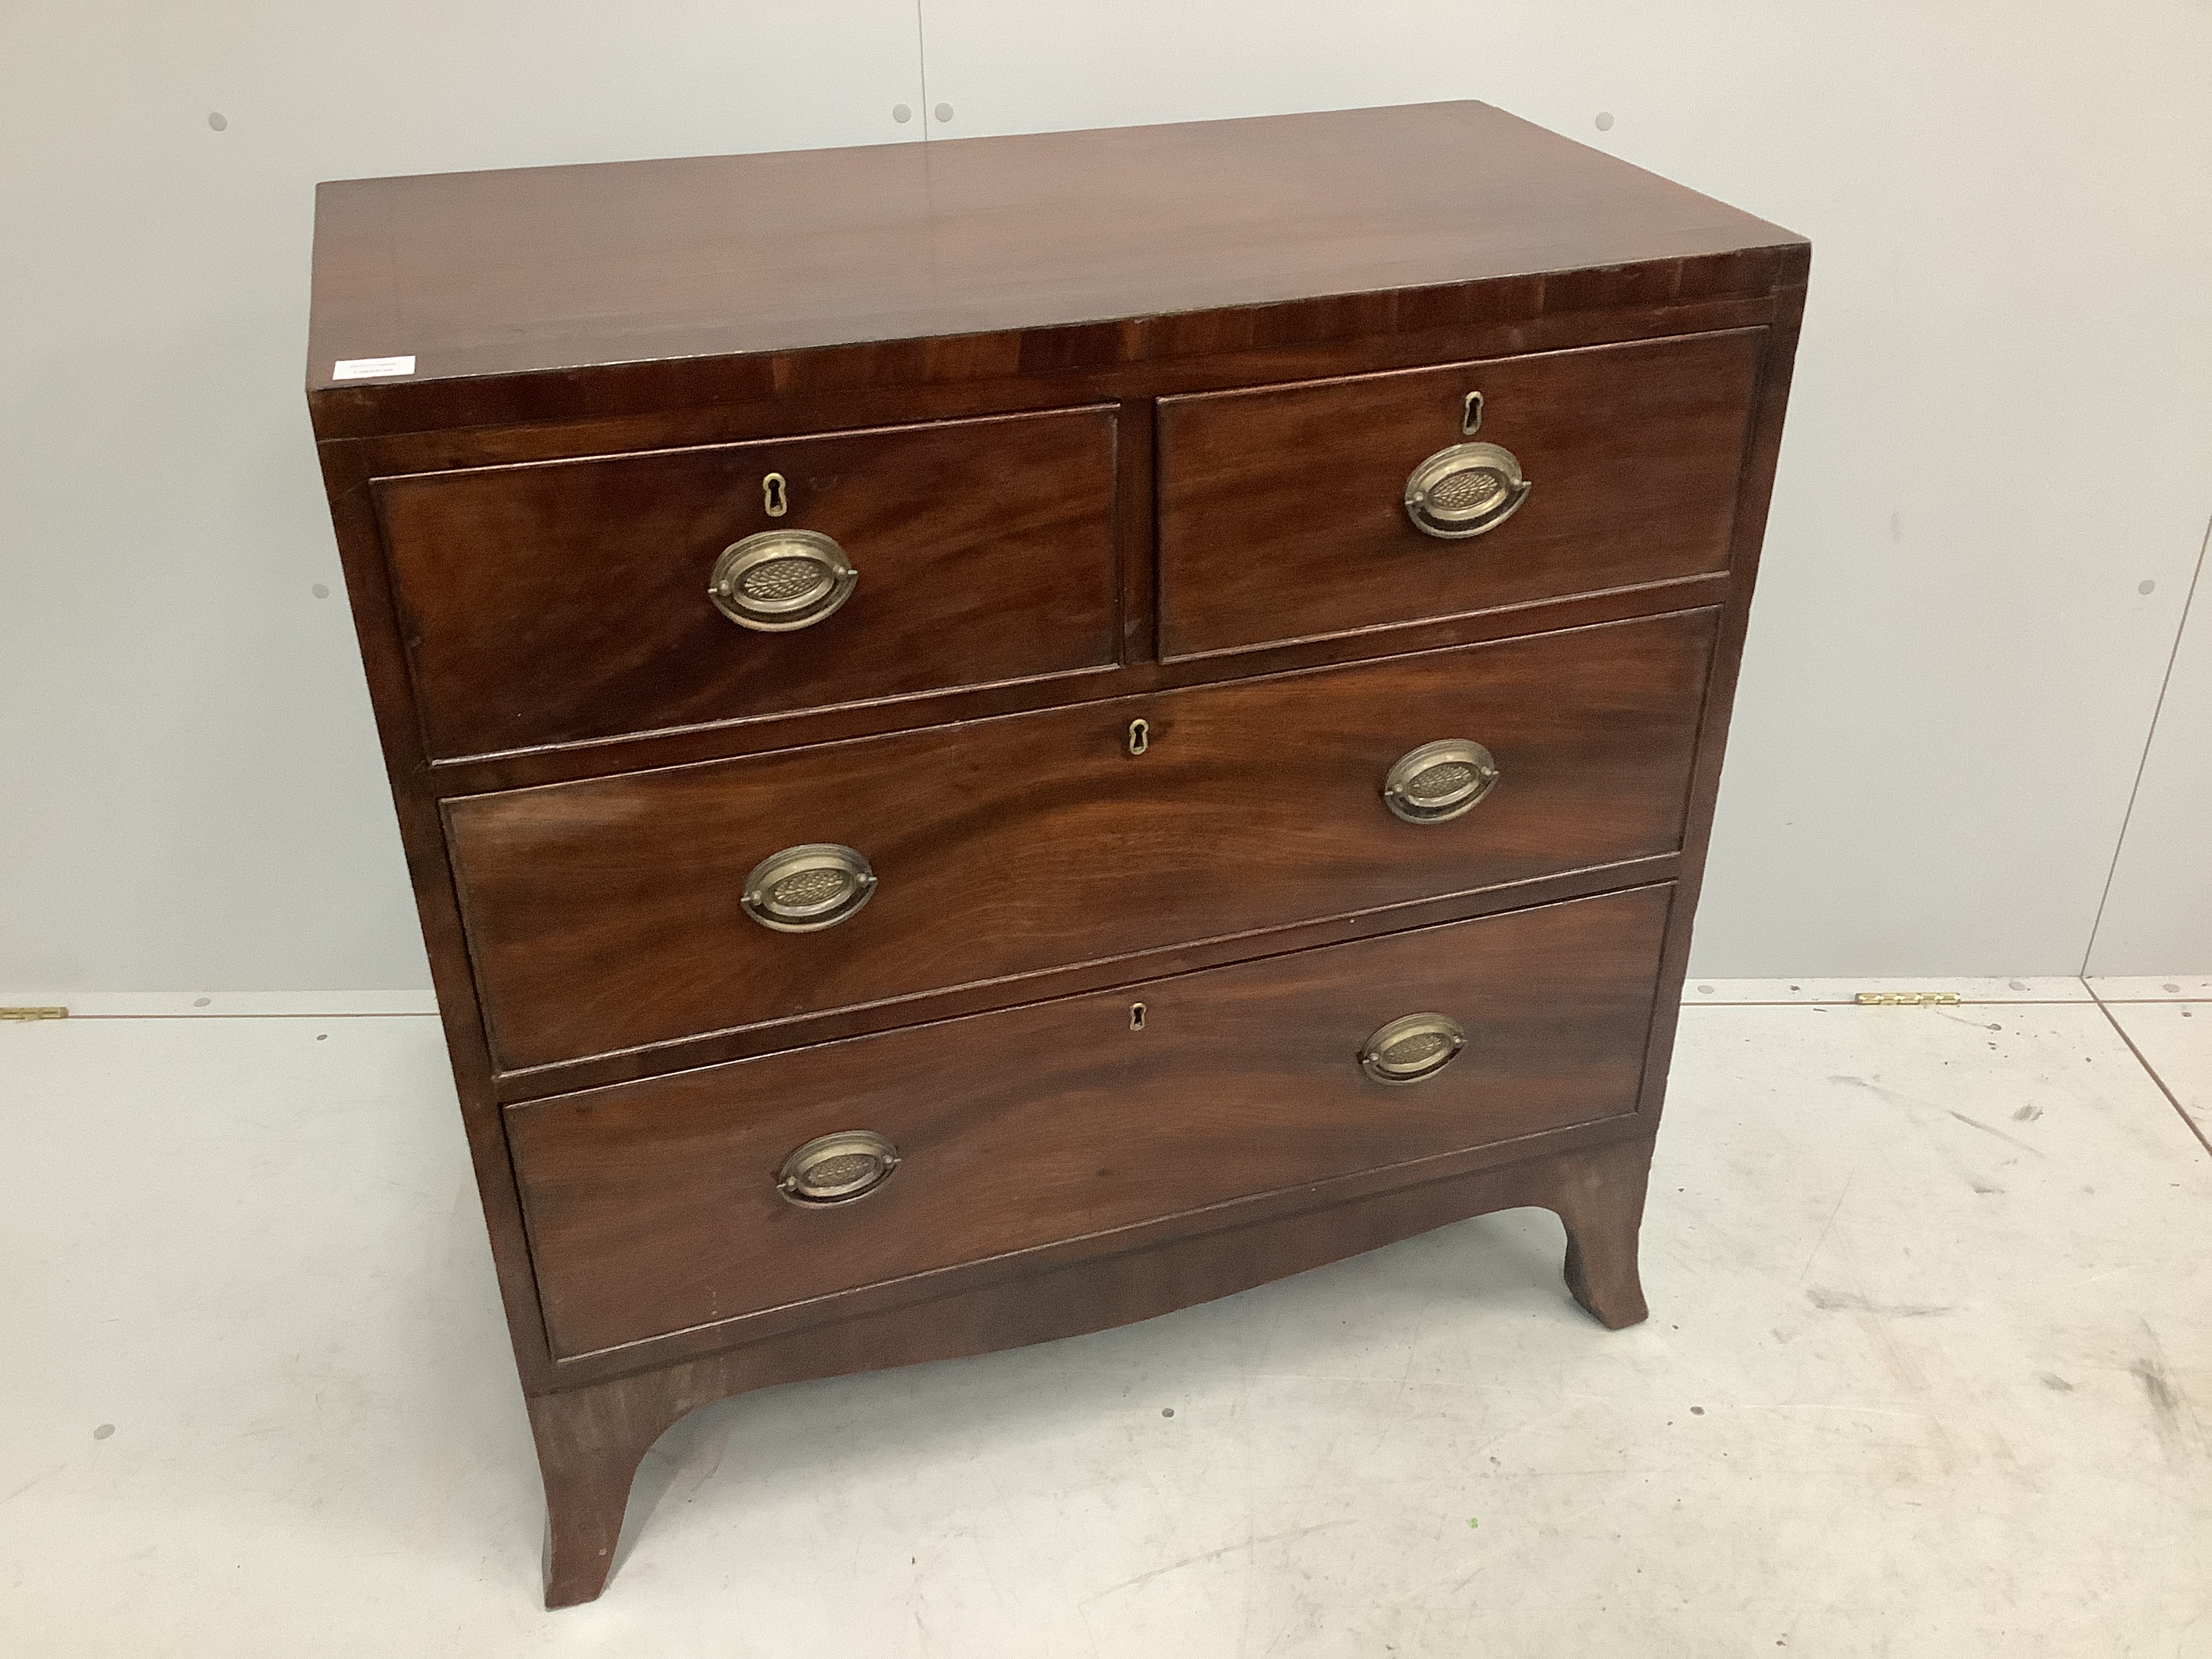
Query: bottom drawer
[(654, 1206)]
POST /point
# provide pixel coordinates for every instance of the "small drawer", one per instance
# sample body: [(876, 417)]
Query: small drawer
[(622, 912), (656, 1206), (1283, 511), (566, 601)]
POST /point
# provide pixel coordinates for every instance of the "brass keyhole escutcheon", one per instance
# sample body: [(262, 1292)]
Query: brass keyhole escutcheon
[(1470, 414), (1140, 736), (775, 496), (1136, 1016)]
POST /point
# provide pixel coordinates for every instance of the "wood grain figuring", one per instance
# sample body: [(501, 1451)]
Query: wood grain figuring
[(1059, 1120), (1115, 424), (675, 404), (591, 1439), (972, 243), (1282, 509), (954, 1002), (605, 915), (566, 601), (801, 728)]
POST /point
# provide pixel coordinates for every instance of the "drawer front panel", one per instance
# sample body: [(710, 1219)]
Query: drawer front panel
[(1282, 512), (565, 601), (610, 914), (653, 1207)]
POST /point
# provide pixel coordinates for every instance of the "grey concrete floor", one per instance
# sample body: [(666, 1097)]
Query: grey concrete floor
[(1929, 1372)]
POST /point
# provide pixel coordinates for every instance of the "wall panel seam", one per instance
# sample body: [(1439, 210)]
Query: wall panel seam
[(2142, 761)]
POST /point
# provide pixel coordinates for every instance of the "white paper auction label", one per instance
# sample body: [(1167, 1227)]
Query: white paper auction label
[(368, 368)]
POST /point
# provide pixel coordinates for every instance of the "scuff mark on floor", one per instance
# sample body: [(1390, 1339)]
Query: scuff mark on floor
[(2173, 1414), (1813, 1253), (1851, 1302), (1897, 1097), (34, 1481), (2164, 1405), (1976, 1123), (1209, 1555), (692, 1478)]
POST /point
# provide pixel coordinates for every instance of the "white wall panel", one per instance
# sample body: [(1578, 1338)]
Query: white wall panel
[(190, 790), (2001, 426), (2158, 915), (2002, 429)]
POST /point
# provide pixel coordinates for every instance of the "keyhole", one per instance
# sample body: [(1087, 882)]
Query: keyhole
[(1140, 736), (1470, 414), (1136, 1016), (773, 496)]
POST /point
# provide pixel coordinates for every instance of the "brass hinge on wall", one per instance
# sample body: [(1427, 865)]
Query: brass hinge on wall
[(1905, 999), (33, 1013)]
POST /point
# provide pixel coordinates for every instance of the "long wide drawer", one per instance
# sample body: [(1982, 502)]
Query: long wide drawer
[(655, 1206), (1283, 511), (612, 913), (563, 601)]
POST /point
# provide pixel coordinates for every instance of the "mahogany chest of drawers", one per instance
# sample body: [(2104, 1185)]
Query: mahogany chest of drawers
[(995, 737)]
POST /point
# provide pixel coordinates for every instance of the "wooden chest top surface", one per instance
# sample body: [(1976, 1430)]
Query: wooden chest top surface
[(539, 270)]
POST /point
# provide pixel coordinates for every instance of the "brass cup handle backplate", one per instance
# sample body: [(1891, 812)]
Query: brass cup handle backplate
[(1439, 780), (803, 889), (837, 1169), (782, 579), (1412, 1049), (1465, 490)]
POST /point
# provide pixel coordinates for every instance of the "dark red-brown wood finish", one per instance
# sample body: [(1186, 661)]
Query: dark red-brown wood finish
[(1114, 426), (1075, 1118), (605, 914), (1281, 511), (558, 601)]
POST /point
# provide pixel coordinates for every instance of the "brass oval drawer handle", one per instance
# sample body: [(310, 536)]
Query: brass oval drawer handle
[(837, 1169), (1465, 490), (803, 889), (780, 580), (1414, 1048), (1439, 780)]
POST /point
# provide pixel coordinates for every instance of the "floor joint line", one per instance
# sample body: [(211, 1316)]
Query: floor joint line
[(2174, 1100)]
